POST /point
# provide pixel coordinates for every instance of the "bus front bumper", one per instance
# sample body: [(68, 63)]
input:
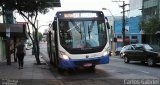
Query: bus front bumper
[(74, 63)]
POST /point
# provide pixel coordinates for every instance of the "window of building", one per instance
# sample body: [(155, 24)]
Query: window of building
[(119, 36), (145, 0), (127, 37), (134, 37)]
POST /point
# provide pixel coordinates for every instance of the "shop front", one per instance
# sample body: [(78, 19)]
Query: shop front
[(10, 33)]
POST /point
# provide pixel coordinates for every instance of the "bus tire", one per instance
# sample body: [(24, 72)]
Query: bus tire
[(55, 61), (50, 58), (151, 62), (126, 59), (61, 70), (92, 68)]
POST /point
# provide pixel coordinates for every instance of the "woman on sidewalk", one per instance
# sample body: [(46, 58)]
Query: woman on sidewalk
[(20, 53)]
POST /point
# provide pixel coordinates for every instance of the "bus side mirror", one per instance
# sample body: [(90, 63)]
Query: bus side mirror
[(108, 26), (50, 25), (115, 39), (54, 25)]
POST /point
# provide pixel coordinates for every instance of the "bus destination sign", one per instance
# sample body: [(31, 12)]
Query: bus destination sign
[(80, 15)]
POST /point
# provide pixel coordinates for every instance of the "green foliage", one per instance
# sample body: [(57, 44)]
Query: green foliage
[(29, 10), (40, 36), (151, 25), (28, 5)]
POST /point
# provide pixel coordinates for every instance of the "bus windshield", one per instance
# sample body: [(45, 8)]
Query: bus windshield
[(83, 34)]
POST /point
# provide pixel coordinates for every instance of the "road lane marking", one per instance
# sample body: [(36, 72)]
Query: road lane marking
[(144, 72), (115, 58)]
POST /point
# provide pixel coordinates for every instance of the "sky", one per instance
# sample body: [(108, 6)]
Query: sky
[(113, 7)]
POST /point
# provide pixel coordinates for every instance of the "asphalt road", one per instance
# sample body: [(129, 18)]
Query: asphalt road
[(115, 73)]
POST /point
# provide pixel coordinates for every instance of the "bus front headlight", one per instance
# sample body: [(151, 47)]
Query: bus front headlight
[(105, 53), (63, 56)]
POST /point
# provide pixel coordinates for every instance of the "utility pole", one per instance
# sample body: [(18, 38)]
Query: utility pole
[(123, 20)]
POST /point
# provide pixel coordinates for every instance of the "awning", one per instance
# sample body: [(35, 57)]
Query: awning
[(121, 40), (13, 30)]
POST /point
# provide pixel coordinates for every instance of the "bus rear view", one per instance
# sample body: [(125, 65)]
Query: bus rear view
[(78, 39)]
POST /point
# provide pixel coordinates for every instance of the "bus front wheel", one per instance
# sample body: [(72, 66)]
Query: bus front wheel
[(92, 68), (55, 60), (50, 58)]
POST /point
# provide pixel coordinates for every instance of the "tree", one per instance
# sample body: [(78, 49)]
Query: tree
[(151, 25), (29, 9), (40, 36)]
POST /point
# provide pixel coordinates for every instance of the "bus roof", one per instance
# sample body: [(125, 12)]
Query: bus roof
[(79, 11)]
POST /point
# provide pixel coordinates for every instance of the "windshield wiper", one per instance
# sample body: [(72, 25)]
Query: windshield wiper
[(77, 27)]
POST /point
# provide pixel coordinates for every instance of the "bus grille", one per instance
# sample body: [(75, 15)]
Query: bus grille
[(94, 62)]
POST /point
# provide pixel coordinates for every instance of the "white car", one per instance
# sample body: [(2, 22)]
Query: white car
[(123, 49), (28, 46)]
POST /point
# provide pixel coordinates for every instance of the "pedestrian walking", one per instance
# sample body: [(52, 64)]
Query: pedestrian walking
[(20, 53)]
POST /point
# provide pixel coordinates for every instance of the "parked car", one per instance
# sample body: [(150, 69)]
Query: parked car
[(28, 46), (141, 52), (123, 49), (155, 47), (117, 51)]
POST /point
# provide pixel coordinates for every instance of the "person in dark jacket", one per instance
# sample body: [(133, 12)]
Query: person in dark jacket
[(20, 53)]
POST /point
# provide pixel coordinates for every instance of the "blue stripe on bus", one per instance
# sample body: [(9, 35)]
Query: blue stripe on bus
[(65, 64)]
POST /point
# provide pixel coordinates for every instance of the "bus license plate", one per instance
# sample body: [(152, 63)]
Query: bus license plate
[(87, 64)]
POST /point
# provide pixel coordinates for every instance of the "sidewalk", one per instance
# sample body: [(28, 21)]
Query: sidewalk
[(31, 74)]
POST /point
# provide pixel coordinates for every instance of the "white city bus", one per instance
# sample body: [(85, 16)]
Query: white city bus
[(78, 39)]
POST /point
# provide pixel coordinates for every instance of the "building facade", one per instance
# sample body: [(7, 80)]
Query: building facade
[(150, 8), (132, 30), (3, 51)]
